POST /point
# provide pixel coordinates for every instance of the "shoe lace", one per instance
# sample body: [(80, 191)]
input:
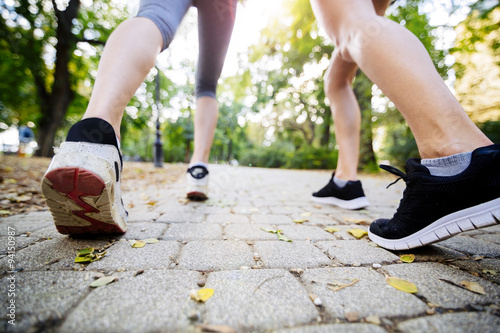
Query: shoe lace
[(394, 171)]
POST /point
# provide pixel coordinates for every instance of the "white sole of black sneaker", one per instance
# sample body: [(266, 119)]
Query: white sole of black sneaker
[(353, 204), (480, 216)]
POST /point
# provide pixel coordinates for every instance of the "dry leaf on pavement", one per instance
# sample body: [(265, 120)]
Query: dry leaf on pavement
[(202, 295), (336, 285), (103, 281), (401, 284), (473, 286), (408, 258), (356, 220), (358, 233)]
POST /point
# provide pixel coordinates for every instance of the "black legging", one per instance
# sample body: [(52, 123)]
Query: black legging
[(215, 25)]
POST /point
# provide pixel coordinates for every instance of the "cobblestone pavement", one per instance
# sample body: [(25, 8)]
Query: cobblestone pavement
[(261, 284)]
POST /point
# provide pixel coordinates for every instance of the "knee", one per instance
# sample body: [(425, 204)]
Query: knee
[(350, 24), (335, 81)]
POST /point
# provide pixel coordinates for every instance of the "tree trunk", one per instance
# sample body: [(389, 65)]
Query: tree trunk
[(326, 135), (61, 94), (363, 91)]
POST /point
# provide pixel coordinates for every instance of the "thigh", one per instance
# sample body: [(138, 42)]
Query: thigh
[(335, 15), (166, 14), (215, 26)]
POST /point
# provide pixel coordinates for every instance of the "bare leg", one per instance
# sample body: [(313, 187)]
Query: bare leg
[(395, 60), (345, 109), (205, 121), (129, 55), (346, 115)]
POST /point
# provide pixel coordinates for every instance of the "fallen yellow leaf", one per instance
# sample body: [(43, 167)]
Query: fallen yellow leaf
[(103, 281), (401, 284), (356, 221), (489, 271), (407, 258), (332, 229), (282, 237), (473, 286), (358, 233), (139, 244), (300, 221), (202, 295), (152, 202)]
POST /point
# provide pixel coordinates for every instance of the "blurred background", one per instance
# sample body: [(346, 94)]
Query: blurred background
[(273, 111)]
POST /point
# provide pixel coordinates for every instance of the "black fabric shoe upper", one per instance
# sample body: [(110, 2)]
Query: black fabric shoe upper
[(198, 171), (95, 130), (351, 190), (428, 198)]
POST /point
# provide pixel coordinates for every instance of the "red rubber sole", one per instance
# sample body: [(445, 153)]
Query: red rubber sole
[(74, 184)]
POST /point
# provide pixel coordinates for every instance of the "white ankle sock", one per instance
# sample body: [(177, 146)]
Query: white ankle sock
[(339, 182), (448, 166)]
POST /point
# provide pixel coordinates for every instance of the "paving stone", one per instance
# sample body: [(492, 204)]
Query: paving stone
[(283, 209), (41, 298), (248, 209), (258, 300), (47, 232), (193, 231), (51, 254), (155, 301), (213, 210), (249, 232), (142, 216), (433, 252), (472, 246), (215, 255), (486, 268), (25, 222), (16, 243), (492, 238), (279, 254), (316, 219), (181, 218), (347, 217), (371, 295), (271, 219), (349, 252), (227, 218), (171, 208), (452, 322), (335, 328), (152, 256), (426, 276), (303, 232), (144, 230)]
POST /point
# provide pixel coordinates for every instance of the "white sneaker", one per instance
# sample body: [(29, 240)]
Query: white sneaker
[(82, 189), (197, 183)]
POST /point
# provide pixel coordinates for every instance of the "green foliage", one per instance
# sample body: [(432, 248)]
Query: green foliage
[(492, 130), (285, 155)]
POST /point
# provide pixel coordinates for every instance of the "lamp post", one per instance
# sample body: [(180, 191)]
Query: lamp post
[(158, 155)]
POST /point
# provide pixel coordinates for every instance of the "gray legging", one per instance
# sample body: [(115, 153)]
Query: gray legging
[(215, 25)]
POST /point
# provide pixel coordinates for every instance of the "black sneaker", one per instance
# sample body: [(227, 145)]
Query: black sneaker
[(435, 208), (351, 196)]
